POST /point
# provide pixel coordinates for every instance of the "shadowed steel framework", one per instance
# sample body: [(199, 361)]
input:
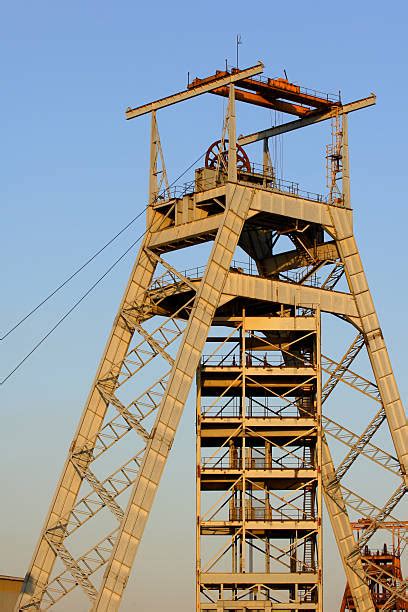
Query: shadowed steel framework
[(250, 334)]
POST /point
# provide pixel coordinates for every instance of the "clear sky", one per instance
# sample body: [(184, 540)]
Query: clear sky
[(74, 172)]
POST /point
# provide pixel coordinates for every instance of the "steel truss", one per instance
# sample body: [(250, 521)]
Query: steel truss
[(262, 440)]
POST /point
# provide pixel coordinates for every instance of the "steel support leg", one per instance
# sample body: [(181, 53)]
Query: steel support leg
[(376, 348), (343, 533), (92, 418), (171, 408)]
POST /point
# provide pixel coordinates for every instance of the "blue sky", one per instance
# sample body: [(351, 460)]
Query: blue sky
[(74, 172)]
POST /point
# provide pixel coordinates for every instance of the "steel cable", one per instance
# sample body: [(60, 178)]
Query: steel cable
[(67, 280), (95, 284)]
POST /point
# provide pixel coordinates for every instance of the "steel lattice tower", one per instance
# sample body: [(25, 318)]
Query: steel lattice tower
[(251, 336)]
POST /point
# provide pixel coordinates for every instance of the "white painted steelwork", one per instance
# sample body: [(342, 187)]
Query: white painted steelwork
[(166, 317)]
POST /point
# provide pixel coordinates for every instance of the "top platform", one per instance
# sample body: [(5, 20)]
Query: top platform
[(276, 93)]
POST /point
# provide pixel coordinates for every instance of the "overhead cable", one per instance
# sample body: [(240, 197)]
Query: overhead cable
[(85, 295)]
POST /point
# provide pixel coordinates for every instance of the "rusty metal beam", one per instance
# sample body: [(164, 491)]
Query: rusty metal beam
[(282, 89), (260, 100), (131, 113)]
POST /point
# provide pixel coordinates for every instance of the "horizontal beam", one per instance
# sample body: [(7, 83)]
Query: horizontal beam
[(259, 100), (131, 113), (244, 605), (294, 206), (304, 121), (275, 578), (176, 236), (280, 292), (282, 89)]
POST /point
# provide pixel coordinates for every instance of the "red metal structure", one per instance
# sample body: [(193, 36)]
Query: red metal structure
[(278, 94), (381, 565)]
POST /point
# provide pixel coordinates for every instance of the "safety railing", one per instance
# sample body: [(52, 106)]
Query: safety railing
[(226, 462), (315, 93), (291, 276), (234, 360), (252, 360), (176, 192), (266, 513), (261, 412), (241, 267), (257, 175), (197, 273), (265, 178)]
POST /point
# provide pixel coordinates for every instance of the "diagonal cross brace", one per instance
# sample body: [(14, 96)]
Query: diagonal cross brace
[(395, 498), (74, 568), (342, 366), (365, 447), (106, 497), (118, 481), (130, 419), (156, 346), (93, 559), (366, 508), (350, 378)]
